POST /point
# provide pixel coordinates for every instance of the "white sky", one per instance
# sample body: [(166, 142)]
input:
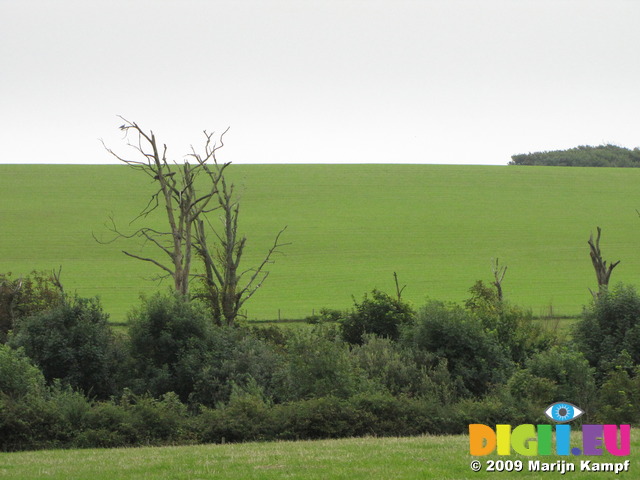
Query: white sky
[(335, 81)]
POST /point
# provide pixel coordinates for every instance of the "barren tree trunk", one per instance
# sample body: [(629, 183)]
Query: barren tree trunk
[(603, 273)]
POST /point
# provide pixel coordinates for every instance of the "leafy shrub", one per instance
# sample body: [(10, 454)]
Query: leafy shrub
[(317, 366), (25, 296), (513, 327), (18, 376), (317, 418), (619, 398), (326, 315), (558, 374), (71, 342), (609, 326), (498, 407), (394, 369), (379, 315), (162, 331), (245, 418), (236, 360), (473, 355)]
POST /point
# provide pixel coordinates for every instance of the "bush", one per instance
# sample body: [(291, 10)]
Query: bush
[(619, 398), (317, 366), (245, 418), (71, 342), (513, 327), (394, 369), (558, 374), (317, 418), (379, 315), (18, 376), (609, 326), (473, 355), (22, 297), (236, 360), (326, 315), (163, 331)]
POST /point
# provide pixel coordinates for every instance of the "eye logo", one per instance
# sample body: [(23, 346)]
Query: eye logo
[(563, 412)]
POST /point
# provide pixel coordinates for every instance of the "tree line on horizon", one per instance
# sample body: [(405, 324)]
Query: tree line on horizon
[(582, 156)]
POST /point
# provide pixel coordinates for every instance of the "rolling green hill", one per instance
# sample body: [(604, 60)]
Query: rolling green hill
[(351, 227)]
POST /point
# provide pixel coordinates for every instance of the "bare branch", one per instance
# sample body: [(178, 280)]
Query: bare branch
[(155, 262)]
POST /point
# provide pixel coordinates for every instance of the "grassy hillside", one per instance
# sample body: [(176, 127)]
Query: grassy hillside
[(351, 227), (360, 458)]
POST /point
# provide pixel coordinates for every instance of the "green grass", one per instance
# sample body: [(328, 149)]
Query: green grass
[(351, 227), (428, 457)]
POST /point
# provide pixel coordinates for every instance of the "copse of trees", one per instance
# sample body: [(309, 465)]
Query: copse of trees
[(582, 156), (178, 378)]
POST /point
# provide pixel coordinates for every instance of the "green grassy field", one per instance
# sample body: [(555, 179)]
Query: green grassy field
[(438, 458), (351, 227)]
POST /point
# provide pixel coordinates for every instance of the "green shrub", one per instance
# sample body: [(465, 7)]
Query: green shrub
[(236, 359), (71, 342), (513, 327), (317, 366), (392, 368), (317, 418), (609, 326), (163, 331), (473, 355), (25, 296), (18, 376), (570, 373), (387, 415), (326, 315), (245, 418), (498, 407), (619, 398), (379, 315)]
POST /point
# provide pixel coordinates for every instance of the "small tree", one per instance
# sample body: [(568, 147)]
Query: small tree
[(72, 342), (379, 315)]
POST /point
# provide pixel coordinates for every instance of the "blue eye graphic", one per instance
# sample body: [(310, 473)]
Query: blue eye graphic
[(563, 412)]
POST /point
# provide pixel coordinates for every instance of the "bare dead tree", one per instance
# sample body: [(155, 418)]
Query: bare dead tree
[(55, 280), (603, 272), (498, 276), (176, 193), (398, 289), (226, 287)]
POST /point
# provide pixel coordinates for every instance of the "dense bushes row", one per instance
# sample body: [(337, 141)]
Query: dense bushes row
[(63, 418), (67, 380), (582, 156)]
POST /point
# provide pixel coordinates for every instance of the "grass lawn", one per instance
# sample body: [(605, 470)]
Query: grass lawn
[(351, 227), (427, 457)]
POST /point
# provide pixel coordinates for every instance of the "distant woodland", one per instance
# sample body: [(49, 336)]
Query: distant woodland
[(582, 156)]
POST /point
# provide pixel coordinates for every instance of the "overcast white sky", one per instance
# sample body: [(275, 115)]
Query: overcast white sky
[(335, 81)]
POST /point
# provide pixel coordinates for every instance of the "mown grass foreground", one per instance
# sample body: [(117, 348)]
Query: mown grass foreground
[(362, 458), (351, 227)]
